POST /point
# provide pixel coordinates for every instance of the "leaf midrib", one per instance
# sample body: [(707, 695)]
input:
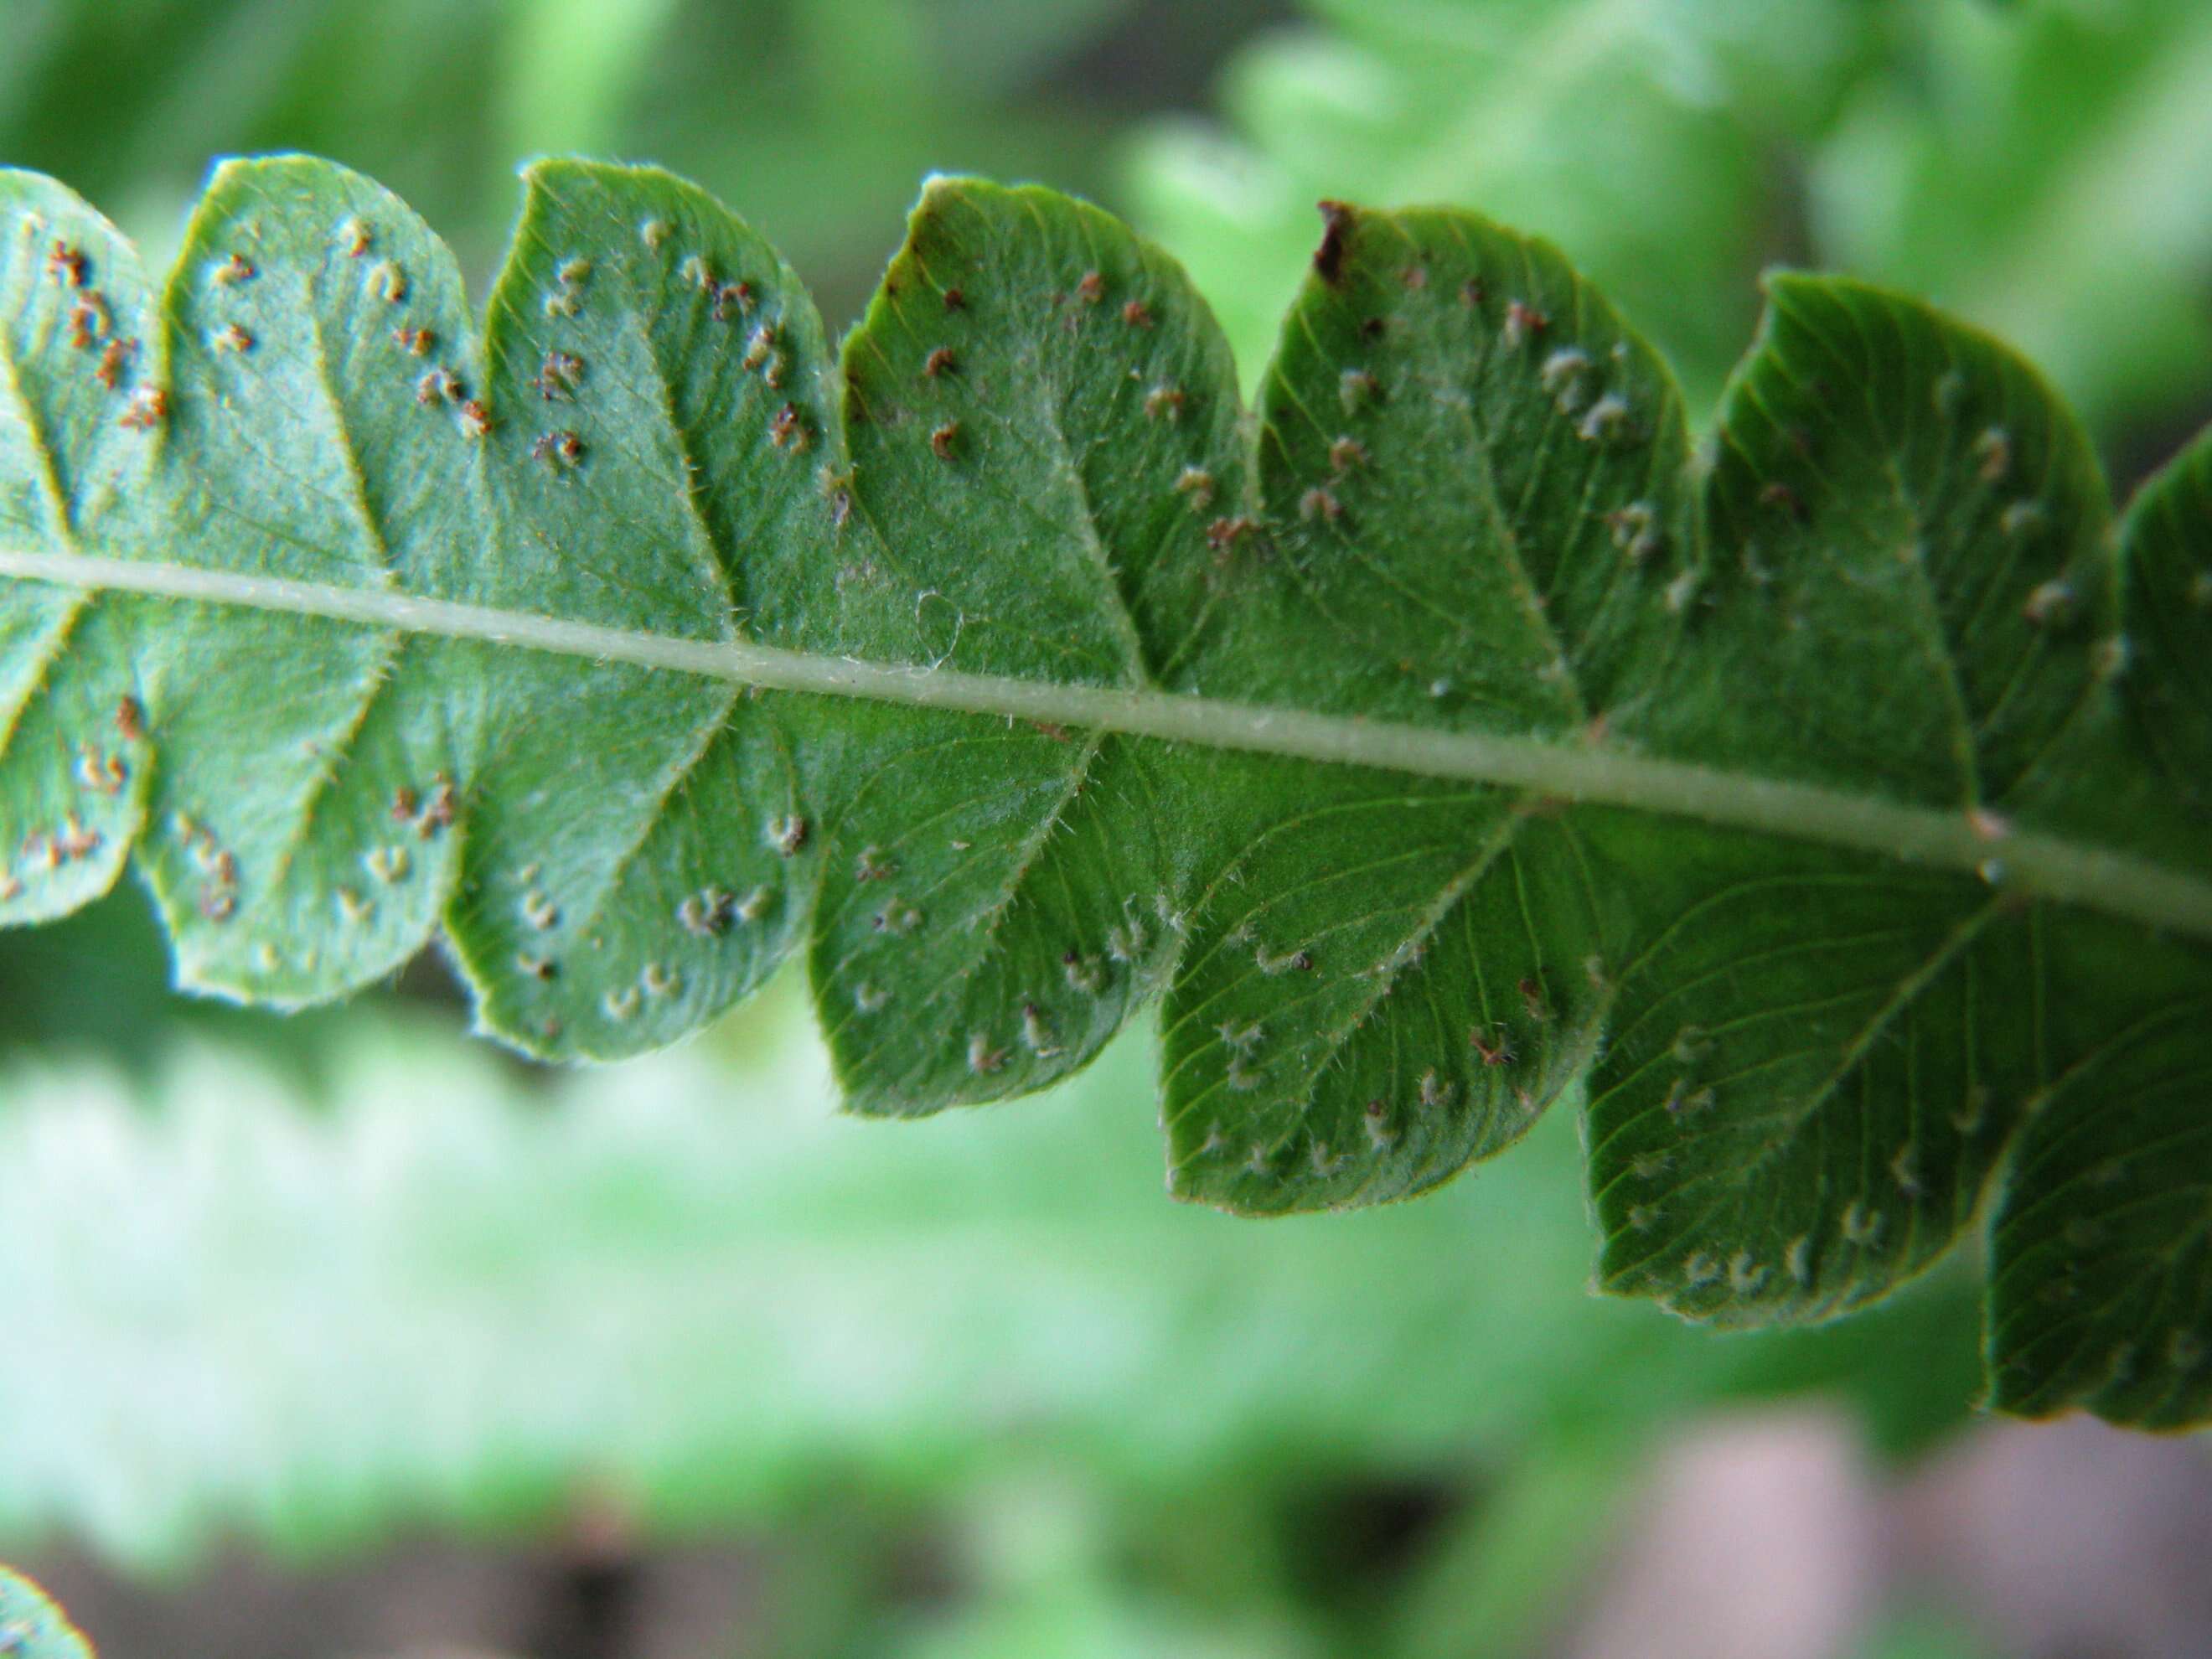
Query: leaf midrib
[(2043, 867)]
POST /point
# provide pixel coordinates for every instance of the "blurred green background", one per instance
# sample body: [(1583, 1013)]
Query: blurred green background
[(344, 1336)]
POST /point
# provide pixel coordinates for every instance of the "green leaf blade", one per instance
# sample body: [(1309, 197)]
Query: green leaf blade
[(1816, 1060), (2167, 549), (2101, 1289), (1044, 428), (295, 445), (2101, 1280), (1800, 1100), (73, 350), (1882, 473), (661, 390), (1476, 507)]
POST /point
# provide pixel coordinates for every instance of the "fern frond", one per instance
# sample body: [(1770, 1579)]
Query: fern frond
[(1441, 737)]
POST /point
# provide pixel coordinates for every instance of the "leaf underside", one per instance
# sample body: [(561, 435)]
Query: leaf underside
[(32, 1627), (1467, 512)]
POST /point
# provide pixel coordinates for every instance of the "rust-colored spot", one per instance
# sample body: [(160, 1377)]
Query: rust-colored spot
[(1137, 314), (129, 720), (559, 450), (88, 321), (148, 407), (1337, 219), (1091, 289), (942, 440), (2051, 602), (1522, 320), (559, 375), (955, 300), (68, 265), (104, 775), (114, 360), (1224, 533), (1198, 484), (939, 361), (439, 814), (1993, 446)]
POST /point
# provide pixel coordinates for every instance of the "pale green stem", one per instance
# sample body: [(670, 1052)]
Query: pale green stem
[(2044, 866)]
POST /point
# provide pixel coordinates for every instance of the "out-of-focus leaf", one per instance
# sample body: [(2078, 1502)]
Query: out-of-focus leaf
[(99, 981), (1495, 1581), (2040, 167), (815, 117), (1642, 135), (1921, 1635), (686, 1284), (573, 67), (994, 45)]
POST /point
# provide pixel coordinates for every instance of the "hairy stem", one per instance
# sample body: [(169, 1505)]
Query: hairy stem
[(2046, 866)]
